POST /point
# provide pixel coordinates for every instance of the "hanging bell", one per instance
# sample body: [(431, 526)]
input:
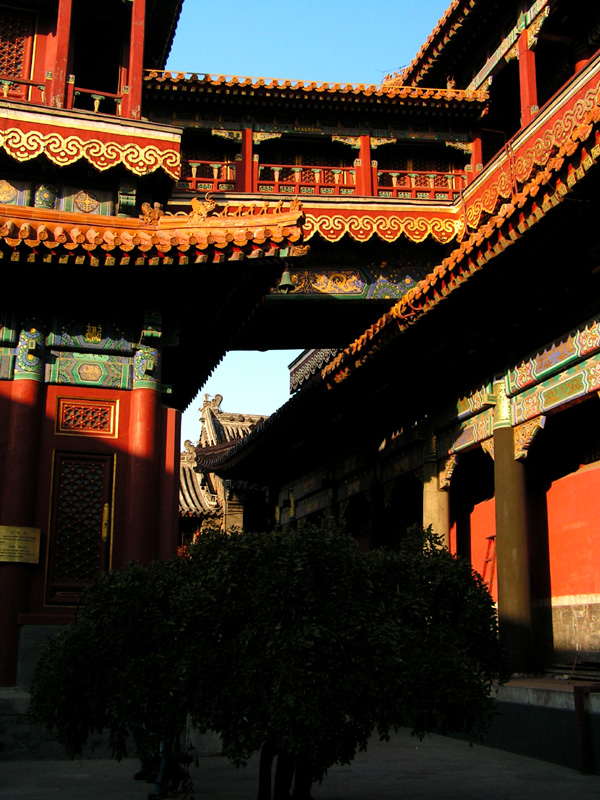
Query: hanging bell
[(285, 284)]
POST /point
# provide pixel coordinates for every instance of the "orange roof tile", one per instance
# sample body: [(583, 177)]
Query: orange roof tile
[(389, 89), (205, 233)]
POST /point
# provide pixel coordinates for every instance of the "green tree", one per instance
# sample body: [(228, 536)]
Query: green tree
[(292, 639), (127, 658)]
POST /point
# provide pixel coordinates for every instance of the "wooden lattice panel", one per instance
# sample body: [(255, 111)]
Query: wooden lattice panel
[(79, 520), (81, 417), (16, 29)]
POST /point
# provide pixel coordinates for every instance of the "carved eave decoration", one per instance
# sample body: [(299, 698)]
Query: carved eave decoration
[(66, 137), (207, 234), (541, 184)]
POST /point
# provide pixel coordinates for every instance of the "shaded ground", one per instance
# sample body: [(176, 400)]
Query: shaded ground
[(437, 769)]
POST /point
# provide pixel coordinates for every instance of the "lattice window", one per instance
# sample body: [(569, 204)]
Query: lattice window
[(79, 522), (87, 417), (16, 31)]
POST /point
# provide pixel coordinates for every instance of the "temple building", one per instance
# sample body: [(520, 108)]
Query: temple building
[(431, 241), (470, 404), (97, 360), (206, 501)]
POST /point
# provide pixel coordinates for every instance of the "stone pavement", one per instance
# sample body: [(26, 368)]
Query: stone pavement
[(437, 768)]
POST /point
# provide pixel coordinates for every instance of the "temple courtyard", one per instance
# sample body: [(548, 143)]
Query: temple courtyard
[(438, 768)]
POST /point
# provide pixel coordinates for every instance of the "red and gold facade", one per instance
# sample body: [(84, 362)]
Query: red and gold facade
[(446, 223), (471, 404)]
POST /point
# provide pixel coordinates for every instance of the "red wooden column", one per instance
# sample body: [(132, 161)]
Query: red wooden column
[(63, 35), (244, 167), (512, 541), (364, 176), (476, 157), (527, 81), (169, 485), (132, 99), (142, 532), (19, 489)]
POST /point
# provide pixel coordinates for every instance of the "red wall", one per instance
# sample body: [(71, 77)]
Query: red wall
[(483, 524), (573, 532)]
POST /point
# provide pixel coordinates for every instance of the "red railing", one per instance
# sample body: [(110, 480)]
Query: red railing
[(212, 176), (11, 88), (416, 185), (208, 176), (97, 97), (315, 180)]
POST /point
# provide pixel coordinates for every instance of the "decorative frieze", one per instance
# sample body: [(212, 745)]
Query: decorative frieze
[(574, 346), (566, 387), (89, 369)]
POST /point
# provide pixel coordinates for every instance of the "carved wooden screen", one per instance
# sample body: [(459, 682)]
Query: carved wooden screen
[(16, 45), (80, 525)]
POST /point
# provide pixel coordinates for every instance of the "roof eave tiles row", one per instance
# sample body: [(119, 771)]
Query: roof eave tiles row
[(51, 233), (368, 90), (450, 23)]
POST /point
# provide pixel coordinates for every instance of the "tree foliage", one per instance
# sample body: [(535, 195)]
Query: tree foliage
[(296, 638)]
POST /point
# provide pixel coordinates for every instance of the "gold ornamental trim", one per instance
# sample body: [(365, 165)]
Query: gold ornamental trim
[(66, 150), (362, 227), (535, 153)]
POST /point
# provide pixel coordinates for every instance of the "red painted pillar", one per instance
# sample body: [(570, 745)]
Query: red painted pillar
[(527, 81), (476, 157), (169, 485), (364, 176), (19, 490), (141, 535), (63, 35), (132, 100), (244, 167)]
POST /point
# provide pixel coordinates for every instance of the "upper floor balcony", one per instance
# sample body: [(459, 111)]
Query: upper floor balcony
[(323, 181)]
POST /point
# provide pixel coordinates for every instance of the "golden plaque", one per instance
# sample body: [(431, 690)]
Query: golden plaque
[(20, 545)]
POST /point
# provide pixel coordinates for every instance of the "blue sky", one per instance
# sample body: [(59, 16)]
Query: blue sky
[(345, 41)]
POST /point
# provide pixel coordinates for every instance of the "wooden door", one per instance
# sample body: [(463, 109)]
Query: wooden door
[(80, 523)]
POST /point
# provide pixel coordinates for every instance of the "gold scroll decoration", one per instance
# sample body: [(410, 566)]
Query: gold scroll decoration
[(537, 153), (389, 228), (66, 150), (524, 435), (446, 472), (488, 446)]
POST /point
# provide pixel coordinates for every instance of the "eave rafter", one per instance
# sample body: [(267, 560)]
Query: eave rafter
[(205, 235)]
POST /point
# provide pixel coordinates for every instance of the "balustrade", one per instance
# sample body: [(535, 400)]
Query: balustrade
[(98, 97), (417, 185), (307, 180), (20, 89), (209, 176), (204, 176)]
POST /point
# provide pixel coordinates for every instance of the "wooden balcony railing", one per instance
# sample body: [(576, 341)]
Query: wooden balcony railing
[(20, 89), (212, 176), (208, 176), (97, 97), (413, 185), (315, 180)]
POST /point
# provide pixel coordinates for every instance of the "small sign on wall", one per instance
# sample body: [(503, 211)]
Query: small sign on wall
[(21, 545)]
